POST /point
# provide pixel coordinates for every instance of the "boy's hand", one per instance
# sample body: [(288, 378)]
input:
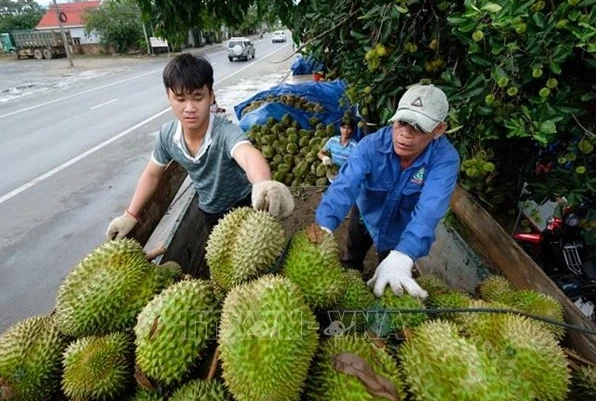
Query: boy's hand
[(273, 197), (121, 226), (326, 160)]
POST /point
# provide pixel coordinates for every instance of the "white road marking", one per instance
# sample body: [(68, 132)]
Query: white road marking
[(89, 152), (69, 163), (103, 104), (12, 113)]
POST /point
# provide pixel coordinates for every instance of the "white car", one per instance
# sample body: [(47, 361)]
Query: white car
[(278, 36)]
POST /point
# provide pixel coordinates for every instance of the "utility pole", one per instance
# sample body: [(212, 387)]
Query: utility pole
[(146, 38), (64, 40)]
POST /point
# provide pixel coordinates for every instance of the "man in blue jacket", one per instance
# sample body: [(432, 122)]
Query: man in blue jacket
[(400, 180)]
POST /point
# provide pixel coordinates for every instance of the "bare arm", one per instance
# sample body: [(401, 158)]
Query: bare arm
[(145, 187), (252, 162), (322, 153)]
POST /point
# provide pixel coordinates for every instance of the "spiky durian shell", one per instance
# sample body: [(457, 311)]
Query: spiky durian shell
[(106, 290), (313, 265), (142, 394), (201, 390), (432, 284), (327, 384), (439, 364), (583, 384), (535, 356), (449, 299), (356, 297), (543, 305), (267, 338), (174, 328), (388, 317), (98, 368), (169, 273), (496, 288), (243, 246), (30, 360)]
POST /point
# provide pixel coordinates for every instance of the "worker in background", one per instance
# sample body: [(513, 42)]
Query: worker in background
[(398, 182)]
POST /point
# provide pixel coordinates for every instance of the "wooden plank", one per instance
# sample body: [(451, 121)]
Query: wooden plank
[(518, 267), (155, 209)]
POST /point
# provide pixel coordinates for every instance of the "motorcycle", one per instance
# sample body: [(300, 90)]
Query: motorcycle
[(563, 254)]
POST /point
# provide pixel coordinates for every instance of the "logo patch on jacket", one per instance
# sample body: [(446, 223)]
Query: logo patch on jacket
[(418, 178)]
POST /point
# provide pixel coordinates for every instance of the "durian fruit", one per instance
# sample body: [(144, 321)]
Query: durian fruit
[(106, 290), (201, 390), (98, 367), (142, 394), (358, 298), (480, 326), (30, 360), (313, 265), (543, 305), (392, 316), (174, 328), (496, 288), (432, 284), (267, 338), (583, 384), (169, 273), (439, 364), (243, 246), (449, 300), (534, 356), (327, 383)]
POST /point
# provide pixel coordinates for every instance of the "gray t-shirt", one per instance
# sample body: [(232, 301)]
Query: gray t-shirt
[(218, 179)]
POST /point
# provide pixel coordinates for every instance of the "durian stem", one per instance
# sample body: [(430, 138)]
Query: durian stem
[(213, 367), (160, 250)]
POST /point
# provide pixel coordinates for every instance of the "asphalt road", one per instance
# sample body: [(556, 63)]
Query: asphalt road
[(69, 162)]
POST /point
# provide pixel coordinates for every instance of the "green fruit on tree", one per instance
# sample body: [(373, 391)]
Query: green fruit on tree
[(544, 92), (585, 146), (312, 263), (98, 367), (267, 338), (503, 82), (512, 91), (552, 83), (537, 72), (478, 36), (489, 99), (174, 328), (580, 169), (30, 360), (242, 246)]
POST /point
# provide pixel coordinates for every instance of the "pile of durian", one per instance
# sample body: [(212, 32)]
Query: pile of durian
[(291, 151), (283, 321), (298, 102)]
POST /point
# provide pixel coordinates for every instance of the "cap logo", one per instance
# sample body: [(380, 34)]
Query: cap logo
[(417, 102)]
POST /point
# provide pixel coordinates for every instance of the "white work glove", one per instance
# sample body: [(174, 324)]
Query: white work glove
[(121, 226), (326, 161), (273, 197), (396, 270)]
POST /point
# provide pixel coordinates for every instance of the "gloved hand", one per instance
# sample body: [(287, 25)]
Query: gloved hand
[(326, 160), (273, 197), (121, 226), (396, 270), (327, 230)]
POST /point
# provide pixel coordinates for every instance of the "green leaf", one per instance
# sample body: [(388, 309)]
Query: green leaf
[(539, 19), (588, 97), (481, 59), (548, 127), (555, 68), (586, 3), (492, 8), (456, 19)]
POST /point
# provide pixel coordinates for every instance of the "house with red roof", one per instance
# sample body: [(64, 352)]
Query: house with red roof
[(72, 17)]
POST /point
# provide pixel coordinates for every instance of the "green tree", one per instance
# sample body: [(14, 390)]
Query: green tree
[(117, 23), (21, 14)]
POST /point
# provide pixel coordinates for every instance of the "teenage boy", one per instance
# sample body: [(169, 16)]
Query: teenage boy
[(227, 171)]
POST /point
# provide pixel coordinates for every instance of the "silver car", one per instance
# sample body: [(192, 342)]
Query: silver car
[(240, 48)]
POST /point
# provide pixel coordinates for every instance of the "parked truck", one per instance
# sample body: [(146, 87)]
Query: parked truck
[(38, 44)]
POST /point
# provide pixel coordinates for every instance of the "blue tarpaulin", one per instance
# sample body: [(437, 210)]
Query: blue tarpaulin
[(302, 66), (327, 94)]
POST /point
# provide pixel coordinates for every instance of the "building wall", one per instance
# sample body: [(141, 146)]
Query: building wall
[(78, 35)]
